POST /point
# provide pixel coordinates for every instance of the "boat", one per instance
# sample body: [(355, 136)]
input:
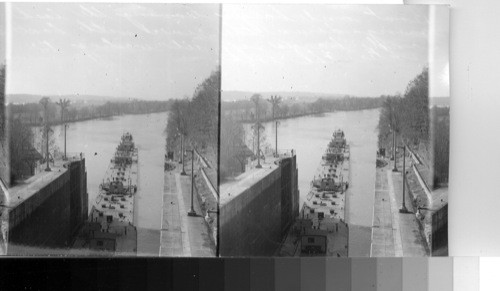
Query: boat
[(326, 198), (321, 229), (111, 226)]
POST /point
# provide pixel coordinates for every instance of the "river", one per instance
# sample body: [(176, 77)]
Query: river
[(98, 139), (309, 136)]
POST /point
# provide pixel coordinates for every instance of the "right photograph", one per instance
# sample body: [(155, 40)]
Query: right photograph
[(334, 131)]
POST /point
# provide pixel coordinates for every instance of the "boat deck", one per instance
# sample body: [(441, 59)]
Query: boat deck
[(330, 202), (121, 207), (321, 229), (111, 227)]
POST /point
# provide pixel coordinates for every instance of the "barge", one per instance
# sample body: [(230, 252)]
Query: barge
[(326, 197), (321, 229), (111, 226)]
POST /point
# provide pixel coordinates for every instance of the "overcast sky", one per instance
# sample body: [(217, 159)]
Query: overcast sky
[(153, 51), (357, 50)]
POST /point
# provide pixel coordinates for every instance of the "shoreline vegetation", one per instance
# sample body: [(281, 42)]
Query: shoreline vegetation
[(244, 110), (32, 114), (409, 125), (424, 128), (193, 125), (194, 121), (235, 150), (26, 121), (421, 128)]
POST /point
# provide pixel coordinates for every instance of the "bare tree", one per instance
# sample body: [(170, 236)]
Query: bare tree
[(232, 146), (390, 122), (196, 120), (204, 117), (45, 101), (177, 125), (416, 109), (256, 99), (21, 150)]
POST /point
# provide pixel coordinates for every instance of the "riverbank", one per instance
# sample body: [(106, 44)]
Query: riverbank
[(96, 139), (319, 114), (270, 119), (309, 135), (109, 117)]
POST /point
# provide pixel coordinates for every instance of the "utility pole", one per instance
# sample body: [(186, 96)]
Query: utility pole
[(394, 125), (182, 155), (258, 145), (45, 103), (403, 208), (63, 103), (276, 138), (256, 98), (180, 150), (395, 169), (47, 169), (191, 212), (275, 101), (65, 126)]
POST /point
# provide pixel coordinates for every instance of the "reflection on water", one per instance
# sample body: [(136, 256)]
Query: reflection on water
[(309, 136), (98, 140)]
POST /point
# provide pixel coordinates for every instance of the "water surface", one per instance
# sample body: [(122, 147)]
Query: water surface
[(309, 136), (98, 139)]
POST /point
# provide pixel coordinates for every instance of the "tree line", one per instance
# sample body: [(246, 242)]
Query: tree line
[(407, 115), (33, 113), (233, 146), (195, 121), (245, 110), (258, 109), (27, 120), (233, 149), (425, 130)]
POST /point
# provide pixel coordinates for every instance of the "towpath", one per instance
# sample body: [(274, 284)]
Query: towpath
[(182, 235), (394, 234)]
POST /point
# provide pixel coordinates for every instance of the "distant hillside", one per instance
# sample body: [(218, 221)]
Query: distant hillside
[(296, 96), (75, 99)]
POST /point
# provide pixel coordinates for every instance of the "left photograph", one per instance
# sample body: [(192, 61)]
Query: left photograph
[(110, 118)]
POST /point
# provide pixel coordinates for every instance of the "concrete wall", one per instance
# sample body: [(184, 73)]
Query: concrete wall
[(289, 193), (440, 232), (250, 224), (43, 219), (422, 225), (78, 196), (254, 222), (49, 218)]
